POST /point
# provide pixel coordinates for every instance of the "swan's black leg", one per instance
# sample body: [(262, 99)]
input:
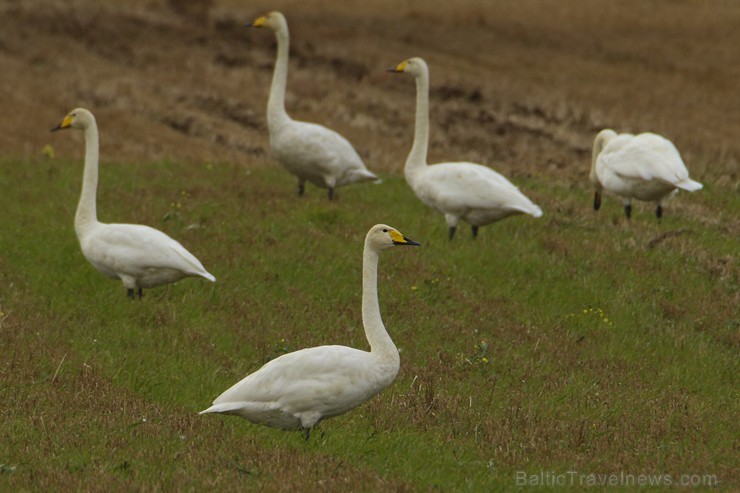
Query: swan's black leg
[(628, 210), (659, 212), (140, 292), (308, 433), (452, 232), (130, 293), (597, 200), (475, 231), (330, 193), (301, 187)]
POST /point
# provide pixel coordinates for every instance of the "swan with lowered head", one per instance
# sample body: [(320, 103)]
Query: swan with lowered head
[(140, 256), (297, 390), (645, 167), (471, 192), (309, 151)]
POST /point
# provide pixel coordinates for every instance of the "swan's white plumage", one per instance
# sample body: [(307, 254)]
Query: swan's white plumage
[(141, 256), (309, 151), (461, 191), (646, 167), (297, 390), (474, 193), (144, 254), (317, 155)]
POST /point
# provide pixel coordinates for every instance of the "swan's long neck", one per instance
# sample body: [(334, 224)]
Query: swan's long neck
[(86, 210), (381, 344), (417, 158), (602, 138), (276, 113)]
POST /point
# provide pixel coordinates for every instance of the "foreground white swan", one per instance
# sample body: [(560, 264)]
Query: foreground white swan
[(309, 151), (466, 191), (299, 389), (140, 256), (646, 167)]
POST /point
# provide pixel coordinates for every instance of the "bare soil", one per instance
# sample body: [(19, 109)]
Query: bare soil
[(522, 86)]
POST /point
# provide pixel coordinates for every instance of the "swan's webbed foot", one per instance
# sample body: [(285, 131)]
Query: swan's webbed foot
[(452, 232), (628, 210), (475, 231), (659, 212)]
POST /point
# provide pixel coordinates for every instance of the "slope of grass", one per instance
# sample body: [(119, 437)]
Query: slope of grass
[(573, 342)]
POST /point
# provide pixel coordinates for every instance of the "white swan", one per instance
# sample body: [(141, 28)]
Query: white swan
[(297, 390), (309, 151), (466, 191), (646, 167), (140, 256)]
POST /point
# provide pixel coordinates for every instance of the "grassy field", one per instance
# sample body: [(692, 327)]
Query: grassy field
[(576, 342)]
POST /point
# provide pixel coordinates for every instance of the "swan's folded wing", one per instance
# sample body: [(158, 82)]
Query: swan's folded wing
[(132, 248), (472, 186), (318, 147), (647, 157), (303, 379)]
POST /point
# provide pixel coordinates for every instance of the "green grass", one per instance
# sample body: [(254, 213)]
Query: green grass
[(575, 342)]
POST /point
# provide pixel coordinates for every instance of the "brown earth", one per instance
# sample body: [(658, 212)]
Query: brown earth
[(520, 85)]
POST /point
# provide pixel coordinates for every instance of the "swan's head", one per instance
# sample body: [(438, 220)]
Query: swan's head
[(77, 118), (275, 21), (382, 236), (601, 140), (415, 66)]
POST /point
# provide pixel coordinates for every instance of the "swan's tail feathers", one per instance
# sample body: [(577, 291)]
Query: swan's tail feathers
[(360, 175), (531, 209), (211, 409), (223, 408), (374, 178), (689, 185), (207, 275)]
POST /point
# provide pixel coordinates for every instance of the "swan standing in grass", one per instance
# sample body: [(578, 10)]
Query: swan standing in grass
[(297, 390), (140, 256), (309, 151), (644, 167), (466, 191)]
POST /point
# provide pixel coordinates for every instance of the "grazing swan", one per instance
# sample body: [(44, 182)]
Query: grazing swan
[(297, 390), (309, 151), (140, 256), (466, 191), (644, 167)]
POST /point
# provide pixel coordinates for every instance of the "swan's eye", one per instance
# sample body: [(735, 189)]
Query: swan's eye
[(385, 230)]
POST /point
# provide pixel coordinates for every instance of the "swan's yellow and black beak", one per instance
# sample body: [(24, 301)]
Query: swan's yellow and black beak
[(400, 67), (66, 123), (399, 239), (258, 22)]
